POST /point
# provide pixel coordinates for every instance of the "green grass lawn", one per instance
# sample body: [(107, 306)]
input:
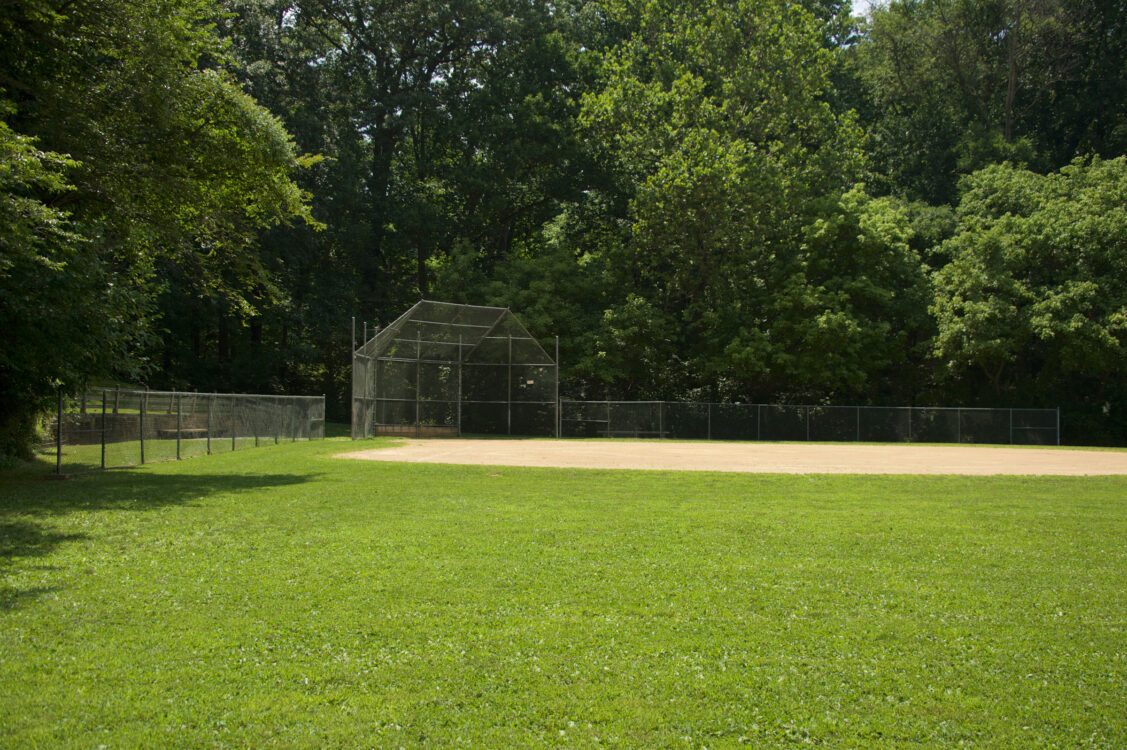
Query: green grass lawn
[(279, 597)]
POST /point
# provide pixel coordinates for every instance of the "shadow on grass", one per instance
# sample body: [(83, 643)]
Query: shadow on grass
[(29, 506), (23, 539), (11, 597), (27, 539), (126, 489)]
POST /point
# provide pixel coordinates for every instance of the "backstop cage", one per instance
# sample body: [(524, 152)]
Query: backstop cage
[(450, 369)]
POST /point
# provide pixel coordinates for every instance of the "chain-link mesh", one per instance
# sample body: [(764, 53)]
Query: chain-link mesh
[(447, 369), (444, 369), (779, 422), (108, 427)]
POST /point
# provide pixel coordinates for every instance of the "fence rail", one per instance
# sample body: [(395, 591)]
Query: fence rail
[(712, 421), (111, 427)]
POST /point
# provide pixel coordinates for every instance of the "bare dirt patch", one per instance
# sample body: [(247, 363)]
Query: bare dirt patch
[(763, 458)]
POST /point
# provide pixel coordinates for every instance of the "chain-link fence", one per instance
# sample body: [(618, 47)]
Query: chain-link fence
[(444, 369), (878, 424), (109, 427)]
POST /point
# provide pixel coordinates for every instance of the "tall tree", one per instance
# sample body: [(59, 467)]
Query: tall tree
[(955, 85), (1032, 308), (167, 163), (736, 276), (450, 139)]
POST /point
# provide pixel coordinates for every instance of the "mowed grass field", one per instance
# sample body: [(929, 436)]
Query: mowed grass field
[(281, 597)]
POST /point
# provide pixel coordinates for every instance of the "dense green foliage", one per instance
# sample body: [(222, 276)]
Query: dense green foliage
[(284, 598), (1035, 296), (723, 199), (128, 158)]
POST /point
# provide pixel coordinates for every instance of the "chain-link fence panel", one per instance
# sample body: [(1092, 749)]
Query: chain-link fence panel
[(584, 419), (103, 428), (687, 420), (785, 422), (1034, 427)]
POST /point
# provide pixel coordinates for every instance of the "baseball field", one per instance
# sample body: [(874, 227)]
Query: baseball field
[(288, 597)]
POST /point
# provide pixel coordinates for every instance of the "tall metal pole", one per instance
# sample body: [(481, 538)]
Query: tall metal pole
[(509, 418), (352, 404), (559, 416), (375, 365), (459, 385), (418, 367)]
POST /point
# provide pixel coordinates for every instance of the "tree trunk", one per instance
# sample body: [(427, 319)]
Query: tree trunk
[(1011, 84), (224, 339)]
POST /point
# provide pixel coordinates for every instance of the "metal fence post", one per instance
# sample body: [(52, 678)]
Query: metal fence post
[(759, 422), (608, 418), (179, 421), (1058, 425), (709, 420), (1011, 426), (909, 424), (858, 424), (141, 423), (210, 408), (103, 429), (293, 433), (59, 435), (958, 425), (234, 425), (660, 420)]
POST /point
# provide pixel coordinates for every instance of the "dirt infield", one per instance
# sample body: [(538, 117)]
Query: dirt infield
[(763, 458)]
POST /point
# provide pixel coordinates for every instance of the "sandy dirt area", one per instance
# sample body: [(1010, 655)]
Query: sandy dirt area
[(773, 458)]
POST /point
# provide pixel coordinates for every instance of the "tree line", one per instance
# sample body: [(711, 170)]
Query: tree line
[(732, 200)]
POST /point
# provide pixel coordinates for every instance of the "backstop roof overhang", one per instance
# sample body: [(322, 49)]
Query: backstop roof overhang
[(449, 332)]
